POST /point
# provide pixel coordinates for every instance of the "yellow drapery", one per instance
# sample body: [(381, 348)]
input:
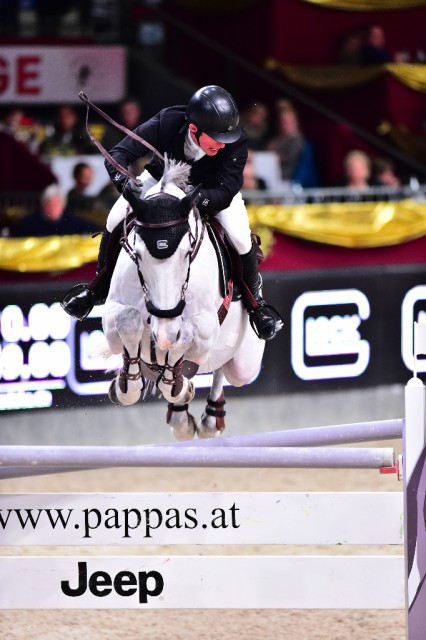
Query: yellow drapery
[(368, 5), (53, 253), (346, 224), (412, 143), (349, 224), (334, 77)]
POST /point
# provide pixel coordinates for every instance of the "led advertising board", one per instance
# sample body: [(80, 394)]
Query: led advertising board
[(342, 329)]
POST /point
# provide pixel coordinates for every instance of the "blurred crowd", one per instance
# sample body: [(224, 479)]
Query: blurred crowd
[(64, 17), (366, 45), (282, 134), (277, 146), (58, 210)]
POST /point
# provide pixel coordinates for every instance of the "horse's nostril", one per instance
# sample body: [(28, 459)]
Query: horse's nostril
[(178, 335)]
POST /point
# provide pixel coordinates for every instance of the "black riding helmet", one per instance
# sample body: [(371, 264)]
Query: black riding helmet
[(214, 112)]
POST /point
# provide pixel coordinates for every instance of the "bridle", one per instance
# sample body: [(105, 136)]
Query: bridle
[(195, 242)]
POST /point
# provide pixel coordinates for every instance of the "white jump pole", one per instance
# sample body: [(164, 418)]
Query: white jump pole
[(143, 456), (414, 456), (308, 437)]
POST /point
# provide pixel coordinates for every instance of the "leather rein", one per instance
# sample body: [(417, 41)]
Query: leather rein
[(125, 130)]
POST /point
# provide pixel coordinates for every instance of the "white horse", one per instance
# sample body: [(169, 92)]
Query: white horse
[(161, 313)]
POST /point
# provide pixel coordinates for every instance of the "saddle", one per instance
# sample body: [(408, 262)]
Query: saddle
[(229, 261)]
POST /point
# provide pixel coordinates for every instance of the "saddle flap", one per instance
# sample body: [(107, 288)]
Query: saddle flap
[(229, 261)]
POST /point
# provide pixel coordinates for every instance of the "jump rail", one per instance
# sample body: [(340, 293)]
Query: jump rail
[(228, 582), (311, 437), (356, 432), (127, 456)]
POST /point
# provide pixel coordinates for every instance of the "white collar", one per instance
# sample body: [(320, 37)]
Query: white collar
[(191, 150)]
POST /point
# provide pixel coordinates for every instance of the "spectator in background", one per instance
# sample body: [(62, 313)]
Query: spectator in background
[(256, 125), (106, 199), (69, 138), (384, 174), (11, 119), (373, 50), (349, 51), (52, 218), (357, 170), (251, 180), (289, 141), (129, 115), (294, 151), (77, 199), (20, 126)]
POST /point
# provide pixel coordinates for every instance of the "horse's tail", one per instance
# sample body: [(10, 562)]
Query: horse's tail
[(101, 350)]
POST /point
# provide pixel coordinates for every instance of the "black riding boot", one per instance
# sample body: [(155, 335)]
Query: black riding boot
[(80, 300), (265, 320)]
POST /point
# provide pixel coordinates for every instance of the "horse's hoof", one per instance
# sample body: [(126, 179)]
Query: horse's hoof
[(112, 395), (182, 423), (205, 431), (213, 419), (184, 431)]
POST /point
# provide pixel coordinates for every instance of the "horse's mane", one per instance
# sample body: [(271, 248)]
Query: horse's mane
[(175, 172)]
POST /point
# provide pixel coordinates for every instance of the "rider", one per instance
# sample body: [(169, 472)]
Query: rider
[(205, 134)]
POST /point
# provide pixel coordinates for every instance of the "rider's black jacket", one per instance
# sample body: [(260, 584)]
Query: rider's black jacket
[(221, 176)]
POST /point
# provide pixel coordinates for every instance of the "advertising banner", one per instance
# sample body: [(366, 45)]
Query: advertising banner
[(202, 582), (56, 74), (343, 329)]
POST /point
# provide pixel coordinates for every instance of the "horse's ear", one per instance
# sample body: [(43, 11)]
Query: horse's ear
[(190, 200), (131, 194)]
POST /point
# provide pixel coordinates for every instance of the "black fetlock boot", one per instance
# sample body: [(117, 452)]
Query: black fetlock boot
[(265, 320), (80, 300)]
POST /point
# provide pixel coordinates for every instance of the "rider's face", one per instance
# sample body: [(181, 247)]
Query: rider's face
[(207, 144)]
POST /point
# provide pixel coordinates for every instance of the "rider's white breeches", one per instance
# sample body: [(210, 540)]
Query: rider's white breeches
[(234, 219)]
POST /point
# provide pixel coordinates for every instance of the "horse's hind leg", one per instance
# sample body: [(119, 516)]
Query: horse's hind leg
[(126, 387), (213, 419), (182, 423)]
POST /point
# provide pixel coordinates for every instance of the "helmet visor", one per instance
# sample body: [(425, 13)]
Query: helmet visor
[(227, 137)]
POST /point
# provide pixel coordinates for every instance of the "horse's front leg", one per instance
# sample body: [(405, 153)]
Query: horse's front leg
[(126, 387), (213, 419), (175, 387)]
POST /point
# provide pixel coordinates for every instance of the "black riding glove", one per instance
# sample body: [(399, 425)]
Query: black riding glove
[(134, 187)]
